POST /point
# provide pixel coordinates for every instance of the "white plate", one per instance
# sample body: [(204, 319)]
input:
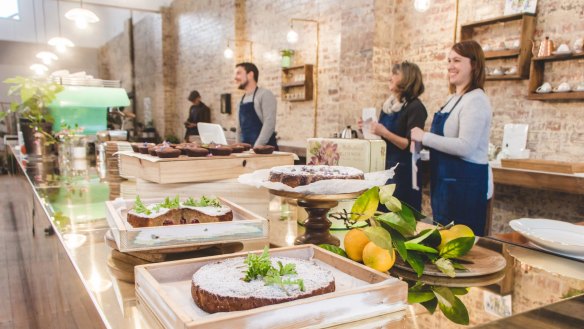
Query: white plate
[(552, 234), (560, 53), (543, 92), (555, 252)]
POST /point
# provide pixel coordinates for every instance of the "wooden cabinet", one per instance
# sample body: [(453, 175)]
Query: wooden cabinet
[(297, 83), (522, 55), (536, 79)]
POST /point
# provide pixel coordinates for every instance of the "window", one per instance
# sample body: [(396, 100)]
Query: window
[(9, 9)]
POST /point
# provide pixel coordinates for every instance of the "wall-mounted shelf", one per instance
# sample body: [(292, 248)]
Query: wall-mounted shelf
[(536, 79), (297, 83), (522, 54)]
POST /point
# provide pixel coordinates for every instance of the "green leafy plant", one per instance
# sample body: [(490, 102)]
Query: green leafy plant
[(446, 299), (172, 139), (260, 266), (287, 52), (35, 95)]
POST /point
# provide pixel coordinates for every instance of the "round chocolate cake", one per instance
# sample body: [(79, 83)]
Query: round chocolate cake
[(303, 175), (168, 152), (221, 150), (264, 149), (219, 286), (196, 151)]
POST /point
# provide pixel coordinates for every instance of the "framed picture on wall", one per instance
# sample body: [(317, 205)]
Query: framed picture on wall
[(226, 103), (520, 6)]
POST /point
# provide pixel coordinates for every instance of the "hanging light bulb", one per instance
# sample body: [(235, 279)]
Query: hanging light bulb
[(61, 43), (47, 57), (292, 36), (421, 5), (228, 53), (81, 16), (39, 69)]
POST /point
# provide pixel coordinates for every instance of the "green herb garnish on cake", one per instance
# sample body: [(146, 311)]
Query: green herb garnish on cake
[(260, 266), (171, 203), (140, 208), (202, 202)]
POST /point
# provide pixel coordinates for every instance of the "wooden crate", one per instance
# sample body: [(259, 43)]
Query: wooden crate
[(544, 165), (203, 169), (165, 289), (246, 226)]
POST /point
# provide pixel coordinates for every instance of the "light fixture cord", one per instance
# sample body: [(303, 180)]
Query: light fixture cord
[(59, 15), (45, 22), (36, 32)]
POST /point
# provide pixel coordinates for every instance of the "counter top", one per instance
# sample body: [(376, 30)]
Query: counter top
[(72, 200), (570, 183)]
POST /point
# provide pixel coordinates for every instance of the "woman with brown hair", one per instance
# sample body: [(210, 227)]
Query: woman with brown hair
[(401, 112), (458, 141)]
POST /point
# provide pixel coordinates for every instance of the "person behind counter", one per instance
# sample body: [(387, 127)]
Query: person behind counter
[(460, 180), (257, 108), (199, 112), (401, 112)]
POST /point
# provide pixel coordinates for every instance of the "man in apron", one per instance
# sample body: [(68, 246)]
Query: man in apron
[(257, 108)]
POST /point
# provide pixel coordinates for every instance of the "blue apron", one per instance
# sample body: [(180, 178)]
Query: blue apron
[(403, 173), (250, 123), (458, 187)]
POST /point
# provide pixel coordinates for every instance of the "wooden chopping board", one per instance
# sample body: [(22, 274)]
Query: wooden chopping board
[(479, 261)]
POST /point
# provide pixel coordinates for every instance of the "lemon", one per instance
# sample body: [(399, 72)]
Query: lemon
[(355, 241)]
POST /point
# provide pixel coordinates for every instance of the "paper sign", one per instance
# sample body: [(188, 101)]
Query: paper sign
[(369, 116), (211, 133)]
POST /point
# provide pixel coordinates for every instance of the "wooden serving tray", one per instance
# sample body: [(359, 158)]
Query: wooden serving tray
[(186, 169), (165, 290), (544, 165), (246, 226)]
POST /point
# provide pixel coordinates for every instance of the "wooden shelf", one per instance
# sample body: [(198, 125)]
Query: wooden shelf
[(538, 180), (495, 54), (569, 96), (522, 55), (496, 20), (556, 58), (504, 77), (297, 91)]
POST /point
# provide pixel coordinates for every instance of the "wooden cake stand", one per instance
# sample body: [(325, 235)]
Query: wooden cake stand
[(317, 206)]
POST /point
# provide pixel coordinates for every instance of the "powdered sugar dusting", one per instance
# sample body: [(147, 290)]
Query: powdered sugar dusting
[(333, 171), (210, 210), (225, 278), (154, 211)]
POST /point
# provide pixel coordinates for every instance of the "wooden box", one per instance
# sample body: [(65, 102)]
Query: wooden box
[(543, 165), (364, 154), (361, 293), (246, 226), (185, 169)]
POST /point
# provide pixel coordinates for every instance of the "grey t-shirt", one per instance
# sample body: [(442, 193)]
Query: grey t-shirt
[(265, 107)]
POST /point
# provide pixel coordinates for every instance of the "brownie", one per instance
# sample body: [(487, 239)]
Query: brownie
[(264, 149), (196, 151), (135, 147), (152, 150), (237, 148), (144, 147), (221, 150), (246, 146), (168, 152)]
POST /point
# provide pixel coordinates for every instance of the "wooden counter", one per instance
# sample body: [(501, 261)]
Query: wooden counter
[(568, 183)]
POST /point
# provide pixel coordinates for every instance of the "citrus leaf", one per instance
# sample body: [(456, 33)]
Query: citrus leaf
[(379, 236), (458, 266), (395, 221), (457, 247), (416, 262), (456, 313), (420, 247), (365, 205), (333, 249), (398, 242), (417, 215), (445, 266), (444, 295), (420, 296), (460, 291), (430, 305), (408, 215), (393, 204), (386, 192), (422, 237)]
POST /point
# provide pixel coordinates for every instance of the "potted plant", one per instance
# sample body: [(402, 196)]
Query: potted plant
[(287, 57), (35, 95)]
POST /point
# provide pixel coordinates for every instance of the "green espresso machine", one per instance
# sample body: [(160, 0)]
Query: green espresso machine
[(86, 107)]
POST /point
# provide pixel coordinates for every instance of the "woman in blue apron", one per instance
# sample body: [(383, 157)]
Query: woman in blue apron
[(400, 113), (458, 143)]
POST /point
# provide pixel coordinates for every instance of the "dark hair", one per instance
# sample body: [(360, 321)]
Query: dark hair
[(411, 85), (194, 95), (473, 51), (250, 67)]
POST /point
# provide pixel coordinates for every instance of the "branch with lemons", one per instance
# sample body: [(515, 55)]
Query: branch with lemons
[(397, 230)]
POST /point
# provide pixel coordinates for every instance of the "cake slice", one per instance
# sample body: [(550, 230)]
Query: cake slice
[(205, 210)]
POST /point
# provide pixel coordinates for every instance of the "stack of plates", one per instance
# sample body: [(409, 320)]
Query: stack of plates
[(552, 235), (112, 161)]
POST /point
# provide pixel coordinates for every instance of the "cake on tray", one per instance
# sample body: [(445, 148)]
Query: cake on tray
[(299, 175)]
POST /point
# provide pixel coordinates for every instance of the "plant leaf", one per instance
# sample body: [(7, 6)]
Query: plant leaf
[(457, 247), (417, 215), (379, 236), (365, 205), (457, 313), (386, 192), (444, 295), (420, 296), (398, 223), (416, 262), (408, 215), (422, 237), (420, 247), (445, 266), (430, 305), (333, 249), (398, 242), (393, 204), (460, 291), (458, 266)]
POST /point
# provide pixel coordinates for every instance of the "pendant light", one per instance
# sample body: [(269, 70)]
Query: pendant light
[(81, 16), (228, 52), (292, 35), (421, 5), (60, 43), (46, 57), (39, 69)]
